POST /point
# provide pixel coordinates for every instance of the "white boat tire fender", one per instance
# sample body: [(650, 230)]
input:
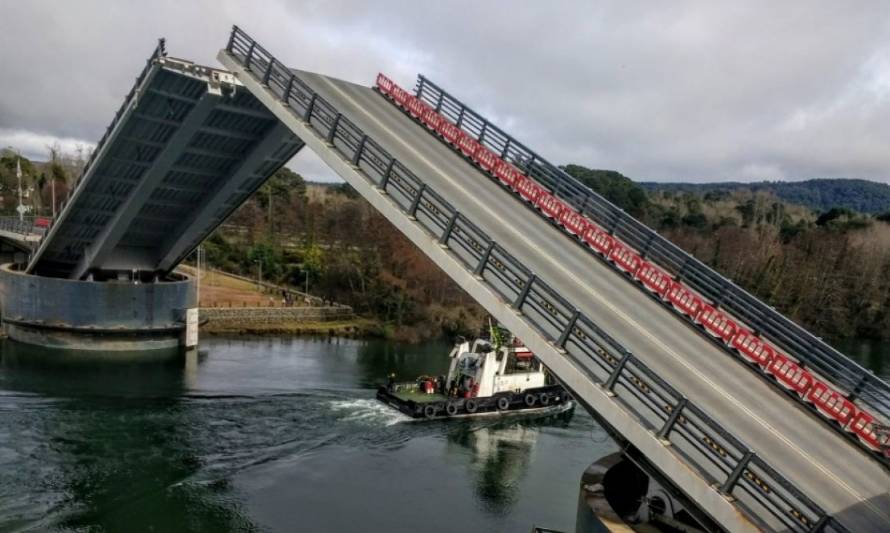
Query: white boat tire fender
[(544, 399), (451, 408), (429, 411)]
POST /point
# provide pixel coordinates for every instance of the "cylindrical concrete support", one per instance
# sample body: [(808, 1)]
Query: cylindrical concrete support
[(87, 315)]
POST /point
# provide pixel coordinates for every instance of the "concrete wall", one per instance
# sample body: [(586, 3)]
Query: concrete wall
[(251, 316), (113, 315)]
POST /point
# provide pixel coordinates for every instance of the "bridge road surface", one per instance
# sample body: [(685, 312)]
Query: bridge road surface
[(835, 473)]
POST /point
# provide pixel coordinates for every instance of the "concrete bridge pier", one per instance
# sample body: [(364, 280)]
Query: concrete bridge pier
[(133, 314), (620, 493)]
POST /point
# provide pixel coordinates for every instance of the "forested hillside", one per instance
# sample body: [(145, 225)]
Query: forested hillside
[(827, 269), (819, 194)]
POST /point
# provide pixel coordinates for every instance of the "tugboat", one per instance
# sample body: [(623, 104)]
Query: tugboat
[(488, 376)]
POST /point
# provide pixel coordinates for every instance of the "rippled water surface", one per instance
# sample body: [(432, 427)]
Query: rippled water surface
[(270, 435)]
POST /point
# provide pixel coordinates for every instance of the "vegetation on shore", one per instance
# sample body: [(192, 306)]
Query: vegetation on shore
[(828, 270), (327, 239), (358, 327), (40, 180), (862, 196)]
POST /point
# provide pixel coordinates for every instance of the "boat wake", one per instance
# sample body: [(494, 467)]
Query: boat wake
[(366, 411)]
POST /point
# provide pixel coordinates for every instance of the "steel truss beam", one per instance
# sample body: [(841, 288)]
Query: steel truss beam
[(181, 242), (101, 248)]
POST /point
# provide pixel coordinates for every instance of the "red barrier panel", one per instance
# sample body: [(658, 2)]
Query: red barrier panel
[(625, 258), (486, 158), (431, 118), (528, 189), (685, 300), (863, 426), (551, 206), (507, 173), (467, 145), (451, 132), (385, 84), (831, 403), (717, 323), (654, 279), (41, 222), (790, 375), (574, 222), (415, 106), (400, 95), (598, 239), (752, 348)]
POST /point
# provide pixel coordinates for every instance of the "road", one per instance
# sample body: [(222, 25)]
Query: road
[(836, 474)]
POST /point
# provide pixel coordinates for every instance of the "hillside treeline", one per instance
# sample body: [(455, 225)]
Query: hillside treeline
[(862, 196), (828, 270)]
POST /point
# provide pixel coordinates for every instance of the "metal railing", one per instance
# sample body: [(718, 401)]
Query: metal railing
[(718, 456), (855, 380), (25, 227)]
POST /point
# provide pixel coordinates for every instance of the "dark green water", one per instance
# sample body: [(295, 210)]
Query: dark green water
[(270, 435)]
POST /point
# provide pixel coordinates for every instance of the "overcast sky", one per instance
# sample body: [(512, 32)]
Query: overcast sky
[(667, 91)]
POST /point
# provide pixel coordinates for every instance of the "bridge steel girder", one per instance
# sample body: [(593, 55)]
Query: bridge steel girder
[(102, 246), (182, 132), (205, 215), (105, 147), (708, 497)]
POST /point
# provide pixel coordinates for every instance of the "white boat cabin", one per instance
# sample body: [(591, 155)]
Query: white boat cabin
[(481, 370)]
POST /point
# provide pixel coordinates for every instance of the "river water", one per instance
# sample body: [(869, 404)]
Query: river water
[(270, 434), (276, 434)]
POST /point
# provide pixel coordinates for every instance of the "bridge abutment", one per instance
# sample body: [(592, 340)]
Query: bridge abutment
[(618, 493), (108, 316)]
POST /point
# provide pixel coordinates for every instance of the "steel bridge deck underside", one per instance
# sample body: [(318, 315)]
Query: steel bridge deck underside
[(189, 146)]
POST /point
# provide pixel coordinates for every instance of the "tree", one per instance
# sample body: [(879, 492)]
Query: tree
[(269, 256), (614, 186)]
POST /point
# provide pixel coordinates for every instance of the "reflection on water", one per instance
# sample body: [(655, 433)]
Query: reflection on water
[(272, 434), (501, 454)]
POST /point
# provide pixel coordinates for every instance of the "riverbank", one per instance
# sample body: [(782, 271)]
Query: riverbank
[(235, 305), (354, 327), (349, 327)]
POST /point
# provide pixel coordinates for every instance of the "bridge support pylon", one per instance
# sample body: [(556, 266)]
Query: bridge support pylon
[(132, 316), (621, 492)]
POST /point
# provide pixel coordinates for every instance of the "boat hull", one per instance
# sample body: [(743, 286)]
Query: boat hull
[(540, 400)]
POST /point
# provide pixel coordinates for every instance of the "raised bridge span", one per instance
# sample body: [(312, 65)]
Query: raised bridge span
[(717, 391), (187, 147)]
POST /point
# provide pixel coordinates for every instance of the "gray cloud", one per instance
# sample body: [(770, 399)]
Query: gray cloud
[(666, 91)]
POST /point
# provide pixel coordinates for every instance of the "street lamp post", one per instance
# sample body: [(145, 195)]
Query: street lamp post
[(18, 175)]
